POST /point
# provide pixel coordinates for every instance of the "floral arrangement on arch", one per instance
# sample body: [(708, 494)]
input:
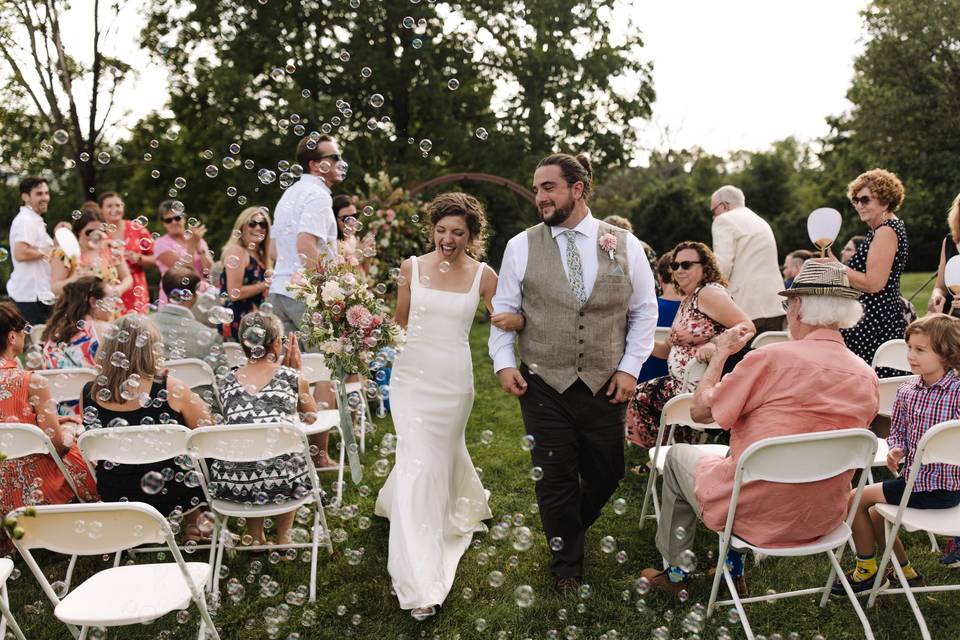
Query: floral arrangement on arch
[(344, 319), (391, 216)]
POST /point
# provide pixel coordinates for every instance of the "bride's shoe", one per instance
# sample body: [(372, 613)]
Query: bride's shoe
[(422, 613)]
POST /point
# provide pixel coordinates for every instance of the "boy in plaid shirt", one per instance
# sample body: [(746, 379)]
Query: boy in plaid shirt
[(933, 397)]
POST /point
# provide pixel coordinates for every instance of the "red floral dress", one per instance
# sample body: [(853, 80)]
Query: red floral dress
[(691, 329), (34, 479)]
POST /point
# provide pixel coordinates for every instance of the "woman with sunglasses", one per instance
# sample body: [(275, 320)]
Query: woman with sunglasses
[(99, 257), (180, 245), (349, 245), (136, 243), (706, 310), (876, 265), (246, 262)]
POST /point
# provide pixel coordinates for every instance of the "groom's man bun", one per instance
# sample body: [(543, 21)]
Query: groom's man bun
[(574, 169)]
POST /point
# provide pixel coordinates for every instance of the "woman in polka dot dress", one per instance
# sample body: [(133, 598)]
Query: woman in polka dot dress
[(876, 266)]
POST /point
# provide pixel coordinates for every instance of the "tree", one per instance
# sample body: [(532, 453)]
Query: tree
[(906, 114), (50, 82), (576, 86)]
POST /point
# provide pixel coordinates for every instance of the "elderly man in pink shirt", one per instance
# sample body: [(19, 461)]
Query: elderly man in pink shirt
[(810, 383)]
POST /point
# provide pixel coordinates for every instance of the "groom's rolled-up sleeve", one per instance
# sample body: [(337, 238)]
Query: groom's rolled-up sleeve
[(642, 311), (508, 298)]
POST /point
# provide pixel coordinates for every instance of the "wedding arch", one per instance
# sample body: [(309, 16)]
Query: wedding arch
[(518, 189)]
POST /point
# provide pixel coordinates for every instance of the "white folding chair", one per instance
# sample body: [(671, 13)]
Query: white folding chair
[(120, 595), (19, 440), (36, 333), (6, 568), (769, 337), (804, 458), (940, 444), (660, 334), (234, 354), (675, 412), (888, 393), (892, 354), (66, 384), (136, 444), (314, 370), (250, 443), (192, 371)]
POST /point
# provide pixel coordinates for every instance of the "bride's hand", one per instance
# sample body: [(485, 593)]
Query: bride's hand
[(506, 321)]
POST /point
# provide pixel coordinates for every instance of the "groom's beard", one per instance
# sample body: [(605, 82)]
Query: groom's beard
[(560, 214)]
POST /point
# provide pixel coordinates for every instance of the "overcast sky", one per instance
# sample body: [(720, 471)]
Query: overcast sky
[(731, 74)]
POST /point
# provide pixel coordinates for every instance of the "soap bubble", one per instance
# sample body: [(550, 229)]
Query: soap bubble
[(376, 100), (481, 133), (608, 544), (60, 136), (453, 84), (527, 443), (212, 171), (556, 544), (152, 482), (524, 596), (486, 436), (619, 506), (495, 578)]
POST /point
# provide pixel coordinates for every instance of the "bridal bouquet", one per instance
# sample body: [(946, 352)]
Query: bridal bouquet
[(344, 319)]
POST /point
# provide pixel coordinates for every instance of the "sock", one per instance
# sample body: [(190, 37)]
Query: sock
[(676, 574), (866, 568), (734, 563), (908, 570)]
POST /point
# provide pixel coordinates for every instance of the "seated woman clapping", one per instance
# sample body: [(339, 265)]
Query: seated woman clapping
[(71, 336), (269, 388)]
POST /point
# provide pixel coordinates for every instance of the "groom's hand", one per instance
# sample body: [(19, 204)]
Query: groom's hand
[(621, 387), (512, 381)]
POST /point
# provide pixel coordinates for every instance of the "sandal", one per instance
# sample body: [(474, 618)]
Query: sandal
[(422, 613), (640, 470)]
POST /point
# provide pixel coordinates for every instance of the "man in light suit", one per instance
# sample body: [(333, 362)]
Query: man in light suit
[(183, 335), (747, 253)]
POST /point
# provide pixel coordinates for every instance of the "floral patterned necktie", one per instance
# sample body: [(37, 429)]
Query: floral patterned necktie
[(575, 268)]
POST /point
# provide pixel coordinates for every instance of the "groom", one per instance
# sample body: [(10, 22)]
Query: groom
[(587, 294)]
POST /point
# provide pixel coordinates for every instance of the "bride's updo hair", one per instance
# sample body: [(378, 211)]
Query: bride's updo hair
[(466, 207)]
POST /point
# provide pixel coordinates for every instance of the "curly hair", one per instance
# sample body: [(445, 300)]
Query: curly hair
[(711, 270), (884, 185), (466, 207)]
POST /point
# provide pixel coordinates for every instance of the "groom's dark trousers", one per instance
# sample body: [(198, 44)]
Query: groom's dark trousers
[(578, 442)]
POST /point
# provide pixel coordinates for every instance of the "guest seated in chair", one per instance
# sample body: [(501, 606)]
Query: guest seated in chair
[(771, 393), (934, 397)]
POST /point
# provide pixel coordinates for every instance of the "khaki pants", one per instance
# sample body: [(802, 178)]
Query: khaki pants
[(679, 510)]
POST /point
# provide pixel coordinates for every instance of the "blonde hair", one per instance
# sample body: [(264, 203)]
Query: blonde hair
[(944, 334), (235, 238), (953, 219), (138, 339)]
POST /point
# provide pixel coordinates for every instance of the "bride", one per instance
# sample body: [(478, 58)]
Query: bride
[(433, 497)]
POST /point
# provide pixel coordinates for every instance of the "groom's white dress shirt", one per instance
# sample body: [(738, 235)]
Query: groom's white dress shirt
[(642, 310)]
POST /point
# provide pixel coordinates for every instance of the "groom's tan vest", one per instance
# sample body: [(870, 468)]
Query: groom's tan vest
[(561, 340)]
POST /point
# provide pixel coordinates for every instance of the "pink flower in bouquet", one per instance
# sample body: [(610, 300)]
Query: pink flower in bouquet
[(391, 214), (358, 316), (608, 243)]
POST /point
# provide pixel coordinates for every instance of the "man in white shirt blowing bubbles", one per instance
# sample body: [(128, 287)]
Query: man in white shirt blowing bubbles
[(30, 244)]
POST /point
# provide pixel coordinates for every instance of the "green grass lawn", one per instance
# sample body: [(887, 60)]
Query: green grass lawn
[(355, 600), (918, 287)]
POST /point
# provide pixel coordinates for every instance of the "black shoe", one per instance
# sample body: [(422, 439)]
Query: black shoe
[(567, 587), (916, 581), (858, 586)]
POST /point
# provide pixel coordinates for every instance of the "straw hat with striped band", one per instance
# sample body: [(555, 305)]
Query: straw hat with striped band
[(822, 279)]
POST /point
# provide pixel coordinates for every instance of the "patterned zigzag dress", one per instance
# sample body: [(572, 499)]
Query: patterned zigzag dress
[(275, 479)]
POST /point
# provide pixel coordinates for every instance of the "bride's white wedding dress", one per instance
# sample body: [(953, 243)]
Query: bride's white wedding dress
[(433, 497)]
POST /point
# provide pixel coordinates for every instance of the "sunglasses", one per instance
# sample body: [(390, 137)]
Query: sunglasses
[(172, 219), (334, 156), (90, 232), (257, 223), (686, 264), (862, 200)]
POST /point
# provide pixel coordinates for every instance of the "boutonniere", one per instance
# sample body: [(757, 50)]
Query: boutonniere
[(608, 243)]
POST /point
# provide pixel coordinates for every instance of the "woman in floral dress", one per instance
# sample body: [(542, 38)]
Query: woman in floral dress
[(705, 311)]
